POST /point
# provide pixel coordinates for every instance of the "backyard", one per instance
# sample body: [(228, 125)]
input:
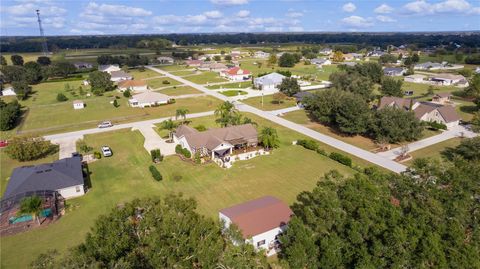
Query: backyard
[(125, 176)]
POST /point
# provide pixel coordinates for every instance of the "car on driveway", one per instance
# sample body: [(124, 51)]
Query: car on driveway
[(105, 124), (106, 151)]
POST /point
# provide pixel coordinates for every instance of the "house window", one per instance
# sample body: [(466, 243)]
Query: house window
[(261, 243), (77, 188)]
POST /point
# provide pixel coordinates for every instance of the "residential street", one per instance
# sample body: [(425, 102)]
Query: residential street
[(358, 152)]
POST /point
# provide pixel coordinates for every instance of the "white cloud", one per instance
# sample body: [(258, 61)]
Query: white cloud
[(214, 14), (423, 7), (274, 29), (29, 9), (294, 14), (115, 10), (383, 9), (349, 7), (229, 2), (384, 18), (357, 21), (243, 13)]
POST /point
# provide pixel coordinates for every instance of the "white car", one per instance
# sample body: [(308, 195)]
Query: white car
[(106, 151), (105, 124)]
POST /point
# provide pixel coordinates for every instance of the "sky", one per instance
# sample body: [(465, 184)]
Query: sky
[(82, 17)]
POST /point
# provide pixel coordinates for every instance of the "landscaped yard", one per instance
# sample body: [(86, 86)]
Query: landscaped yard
[(433, 151), (161, 82), (233, 93), (125, 176), (268, 103), (179, 90), (206, 77), (235, 85)]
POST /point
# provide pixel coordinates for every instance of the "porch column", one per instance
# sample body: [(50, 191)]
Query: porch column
[(213, 154), (231, 150)]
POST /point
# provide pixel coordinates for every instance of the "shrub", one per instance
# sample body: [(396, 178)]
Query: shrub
[(308, 144), (322, 152), (197, 158), (436, 125), (82, 145), (345, 160), (171, 101), (165, 82), (186, 153), (127, 93), (178, 149), (29, 147), (156, 155), (97, 155), (9, 114), (200, 128), (61, 97), (115, 103), (155, 173)]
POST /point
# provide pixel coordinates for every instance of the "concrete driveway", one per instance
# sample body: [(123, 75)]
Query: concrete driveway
[(154, 141), (67, 145)]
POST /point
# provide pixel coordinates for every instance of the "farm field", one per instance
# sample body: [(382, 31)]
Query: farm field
[(213, 187), (268, 103)]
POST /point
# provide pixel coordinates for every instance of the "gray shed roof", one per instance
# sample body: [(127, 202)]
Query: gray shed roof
[(272, 78), (58, 175)]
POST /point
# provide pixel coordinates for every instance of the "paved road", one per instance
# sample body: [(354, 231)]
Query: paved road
[(284, 110), (363, 154), (457, 131)]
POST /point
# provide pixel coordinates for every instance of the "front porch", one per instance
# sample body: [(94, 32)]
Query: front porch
[(226, 158)]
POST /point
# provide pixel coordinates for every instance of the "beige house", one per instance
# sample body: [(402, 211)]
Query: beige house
[(415, 78), (424, 111), (216, 143), (132, 85), (441, 98), (148, 99)]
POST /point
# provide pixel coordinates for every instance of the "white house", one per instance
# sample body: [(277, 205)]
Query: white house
[(261, 54), (415, 78), (64, 176), (109, 68), (326, 51), (117, 76), (477, 70), (148, 99), (236, 74), (260, 221), (165, 60), (393, 71), (78, 104), (447, 79), (268, 82), (132, 85), (429, 66), (320, 62)]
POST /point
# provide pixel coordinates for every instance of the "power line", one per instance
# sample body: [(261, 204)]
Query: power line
[(42, 35)]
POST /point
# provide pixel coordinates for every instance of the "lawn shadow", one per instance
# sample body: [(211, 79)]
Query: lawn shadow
[(469, 109)]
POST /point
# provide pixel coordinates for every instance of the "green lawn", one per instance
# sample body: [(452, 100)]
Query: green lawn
[(268, 103), (46, 93), (233, 93), (159, 82), (299, 69), (48, 118), (433, 151), (174, 67), (183, 72), (236, 85), (420, 89), (125, 176), (147, 73), (206, 77), (179, 90)]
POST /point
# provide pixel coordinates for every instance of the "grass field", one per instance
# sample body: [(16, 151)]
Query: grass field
[(179, 90), (158, 82), (420, 89), (137, 74), (299, 69), (125, 176), (433, 151), (233, 93), (174, 67), (183, 72), (236, 85), (47, 119), (206, 77), (268, 103)]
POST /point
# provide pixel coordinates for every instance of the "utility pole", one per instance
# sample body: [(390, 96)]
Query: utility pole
[(42, 35)]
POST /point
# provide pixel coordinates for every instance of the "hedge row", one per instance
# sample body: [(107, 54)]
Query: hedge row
[(313, 145), (155, 173), (184, 152)]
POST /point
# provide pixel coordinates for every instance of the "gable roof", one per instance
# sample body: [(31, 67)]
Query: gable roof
[(131, 83), (107, 66), (393, 69), (443, 94), (210, 139), (272, 78), (448, 113), (58, 175), (119, 74), (235, 70), (396, 102), (259, 215)]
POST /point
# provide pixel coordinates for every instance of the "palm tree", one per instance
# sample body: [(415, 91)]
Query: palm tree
[(31, 205), (169, 125), (269, 138), (181, 112), (227, 114)]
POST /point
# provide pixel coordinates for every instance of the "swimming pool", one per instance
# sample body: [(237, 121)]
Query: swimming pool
[(45, 213)]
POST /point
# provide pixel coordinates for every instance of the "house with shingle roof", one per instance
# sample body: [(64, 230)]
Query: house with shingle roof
[(393, 71), (320, 62), (117, 76), (236, 74), (132, 85), (109, 68), (148, 99), (218, 142), (441, 98), (268, 82), (260, 221), (64, 176), (424, 111)]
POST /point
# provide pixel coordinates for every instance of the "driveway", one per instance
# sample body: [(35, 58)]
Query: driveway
[(154, 141), (67, 145)]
